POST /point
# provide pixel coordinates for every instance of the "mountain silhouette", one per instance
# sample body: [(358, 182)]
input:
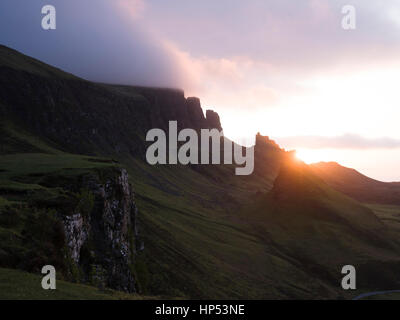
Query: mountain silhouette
[(356, 185)]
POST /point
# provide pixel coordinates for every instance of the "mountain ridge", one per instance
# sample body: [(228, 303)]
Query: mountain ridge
[(356, 185)]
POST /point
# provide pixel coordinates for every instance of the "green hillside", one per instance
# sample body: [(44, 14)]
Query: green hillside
[(19, 285), (323, 229)]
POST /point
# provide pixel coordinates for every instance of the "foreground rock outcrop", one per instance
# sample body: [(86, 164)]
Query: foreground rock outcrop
[(101, 237)]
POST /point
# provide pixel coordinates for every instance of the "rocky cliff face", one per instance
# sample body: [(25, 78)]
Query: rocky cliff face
[(102, 241), (85, 117), (213, 120)]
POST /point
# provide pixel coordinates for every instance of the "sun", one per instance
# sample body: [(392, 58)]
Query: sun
[(305, 155)]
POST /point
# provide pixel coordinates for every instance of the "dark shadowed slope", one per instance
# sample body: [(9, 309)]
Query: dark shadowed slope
[(356, 185), (320, 229)]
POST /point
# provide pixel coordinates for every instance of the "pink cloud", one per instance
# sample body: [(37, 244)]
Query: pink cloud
[(134, 8), (346, 141)]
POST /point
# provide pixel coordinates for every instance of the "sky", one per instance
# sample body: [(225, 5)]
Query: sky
[(284, 68)]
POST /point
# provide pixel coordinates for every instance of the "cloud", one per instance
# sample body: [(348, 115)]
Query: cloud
[(132, 7), (346, 141), (292, 35), (114, 42), (254, 49), (232, 83), (98, 40)]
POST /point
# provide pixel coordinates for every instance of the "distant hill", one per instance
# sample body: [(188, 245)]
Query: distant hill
[(356, 185)]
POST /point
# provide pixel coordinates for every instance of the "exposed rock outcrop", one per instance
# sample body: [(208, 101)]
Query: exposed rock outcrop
[(76, 234), (265, 142), (102, 242), (195, 113), (213, 120)]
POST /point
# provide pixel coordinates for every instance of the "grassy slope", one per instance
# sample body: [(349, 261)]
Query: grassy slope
[(321, 230), (389, 214), (19, 285), (194, 245), (191, 246), (267, 250)]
